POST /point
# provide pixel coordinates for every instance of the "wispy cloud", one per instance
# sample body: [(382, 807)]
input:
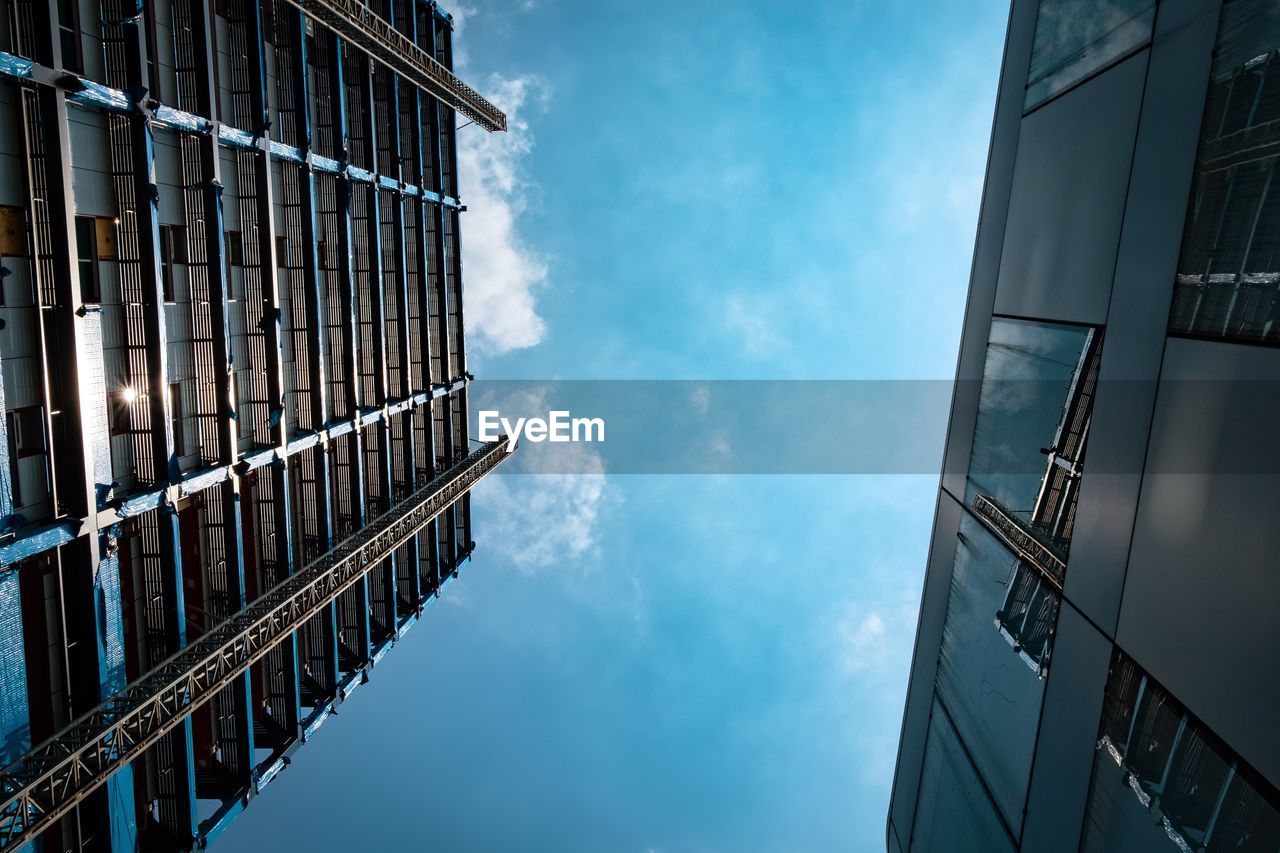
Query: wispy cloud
[(540, 519), (504, 272), (864, 641), (747, 320)]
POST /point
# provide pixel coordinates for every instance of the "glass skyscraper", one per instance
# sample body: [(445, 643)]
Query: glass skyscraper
[(1095, 665)]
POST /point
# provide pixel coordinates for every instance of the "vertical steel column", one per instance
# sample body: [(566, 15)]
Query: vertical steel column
[(315, 297), (428, 549), (404, 389), (345, 186), (71, 338), (146, 214), (447, 562), (351, 332), (316, 309), (265, 198), (461, 512), (377, 293), (74, 370), (205, 39)]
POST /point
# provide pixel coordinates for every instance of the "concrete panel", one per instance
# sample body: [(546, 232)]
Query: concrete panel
[(1200, 598), (1139, 312), (1068, 732), (1067, 199)]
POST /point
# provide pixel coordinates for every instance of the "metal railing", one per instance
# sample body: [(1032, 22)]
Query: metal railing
[(53, 777), (1017, 534), (357, 24)]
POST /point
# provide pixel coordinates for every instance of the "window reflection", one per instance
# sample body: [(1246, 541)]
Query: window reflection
[(952, 812), (1229, 269), (1163, 782), (1034, 411), (1006, 582), (1041, 535), (1075, 38), (987, 678)]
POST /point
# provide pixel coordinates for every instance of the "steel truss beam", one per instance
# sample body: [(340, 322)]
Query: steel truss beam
[(356, 23), (1018, 535), (51, 779)]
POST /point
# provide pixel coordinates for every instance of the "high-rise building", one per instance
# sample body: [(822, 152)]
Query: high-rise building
[(234, 454), (1095, 663)]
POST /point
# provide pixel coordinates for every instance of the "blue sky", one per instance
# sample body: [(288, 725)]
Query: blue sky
[(713, 190)]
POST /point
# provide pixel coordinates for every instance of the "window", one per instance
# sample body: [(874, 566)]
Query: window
[(176, 419), (69, 32), (234, 257), (27, 435), (282, 251), (87, 259), (173, 250), (995, 648), (268, 22), (121, 404), (1228, 279), (26, 438), (955, 813), (235, 249), (1162, 781), (1029, 440), (15, 480), (1077, 38)]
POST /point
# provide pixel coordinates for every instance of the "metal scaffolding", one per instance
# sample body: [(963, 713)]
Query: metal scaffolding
[(231, 294), (54, 777)]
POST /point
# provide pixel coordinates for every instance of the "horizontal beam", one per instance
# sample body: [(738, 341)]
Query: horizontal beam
[(54, 777), (87, 94), (356, 23)]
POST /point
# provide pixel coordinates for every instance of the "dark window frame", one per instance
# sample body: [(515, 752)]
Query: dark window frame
[(89, 267), (69, 32), (176, 418)]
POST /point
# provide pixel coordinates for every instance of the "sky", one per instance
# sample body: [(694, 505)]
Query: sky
[(717, 190)]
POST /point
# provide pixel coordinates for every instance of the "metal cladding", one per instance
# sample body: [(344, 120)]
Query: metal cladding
[(1094, 664), (235, 461)]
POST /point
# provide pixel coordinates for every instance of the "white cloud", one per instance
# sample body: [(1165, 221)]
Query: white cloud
[(503, 272), (863, 641), (538, 519), (747, 319), (700, 399)]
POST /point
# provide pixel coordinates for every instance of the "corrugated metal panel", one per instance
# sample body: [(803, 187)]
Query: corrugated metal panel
[(15, 731)]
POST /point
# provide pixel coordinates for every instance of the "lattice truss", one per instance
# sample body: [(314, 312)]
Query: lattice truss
[(51, 779)]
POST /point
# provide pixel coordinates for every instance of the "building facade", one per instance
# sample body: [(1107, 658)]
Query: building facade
[(1095, 662), (235, 456)]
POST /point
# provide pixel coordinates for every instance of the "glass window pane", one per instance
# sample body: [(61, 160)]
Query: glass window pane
[(1229, 269), (1076, 38), (953, 812), (995, 645), (1162, 782), (1029, 440)]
